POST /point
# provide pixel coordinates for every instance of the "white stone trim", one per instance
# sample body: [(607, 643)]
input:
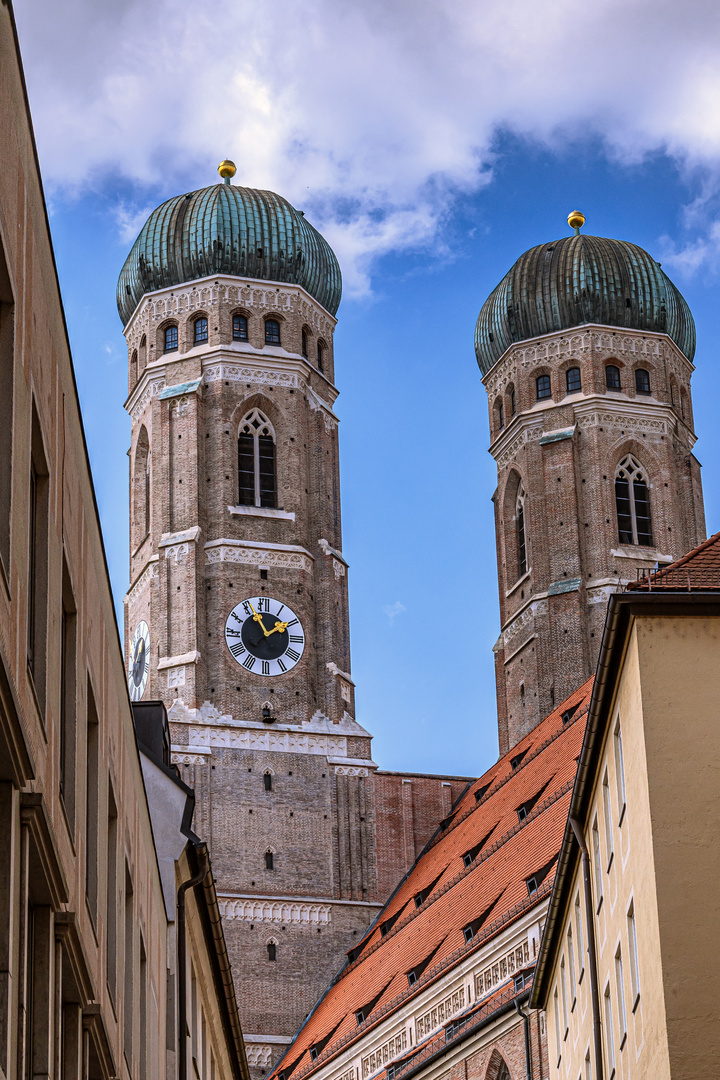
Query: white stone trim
[(290, 912), (148, 386), (351, 770), (261, 511), (149, 571), (176, 661), (252, 553)]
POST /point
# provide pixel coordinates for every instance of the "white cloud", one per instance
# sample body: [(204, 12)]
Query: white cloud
[(393, 610), (369, 115)]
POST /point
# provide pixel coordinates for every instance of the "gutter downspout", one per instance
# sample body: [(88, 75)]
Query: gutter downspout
[(181, 964), (592, 952), (526, 1025)]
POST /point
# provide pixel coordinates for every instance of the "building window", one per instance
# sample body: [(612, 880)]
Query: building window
[(320, 355), (556, 1009), (580, 938), (632, 501), (269, 860), (642, 381), (171, 338), (598, 867), (512, 400), (272, 332), (200, 331), (129, 972), (92, 803), (634, 966), (573, 380), (304, 344), (7, 379), (143, 353), (68, 697), (543, 387), (111, 911), (609, 846), (563, 989), (620, 987), (267, 780), (612, 377), (256, 461), (571, 966), (588, 1065), (609, 1036), (501, 415), (520, 533), (619, 772), (272, 950), (240, 328), (37, 597)]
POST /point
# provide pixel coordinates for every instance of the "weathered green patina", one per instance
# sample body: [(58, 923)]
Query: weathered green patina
[(581, 279), (224, 229)]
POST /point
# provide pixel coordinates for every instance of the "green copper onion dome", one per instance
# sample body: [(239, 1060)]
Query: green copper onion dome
[(576, 280), (225, 229)]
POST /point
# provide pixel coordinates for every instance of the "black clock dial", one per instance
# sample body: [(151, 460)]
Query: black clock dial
[(138, 667), (255, 641)]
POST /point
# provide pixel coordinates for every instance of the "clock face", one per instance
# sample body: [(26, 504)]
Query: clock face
[(264, 636), (139, 661)]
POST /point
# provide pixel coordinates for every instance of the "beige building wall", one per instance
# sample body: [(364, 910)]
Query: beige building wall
[(653, 819)]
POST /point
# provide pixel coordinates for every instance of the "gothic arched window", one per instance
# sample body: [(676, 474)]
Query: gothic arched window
[(642, 381), (200, 330), (267, 780), (269, 860), (320, 355), (304, 343), (141, 487), (612, 377), (143, 352), (573, 380), (272, 332), (171, 338), (272, 950), (256, 461), (520, 532), (632, 500), (511, 395), (240, 328), (542, 384)]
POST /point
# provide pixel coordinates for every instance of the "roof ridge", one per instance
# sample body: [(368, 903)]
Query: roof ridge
[(429, 976), (481, 858)]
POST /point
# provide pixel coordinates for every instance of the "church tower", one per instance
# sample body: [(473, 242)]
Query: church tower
[(586, 351), (237, 611)]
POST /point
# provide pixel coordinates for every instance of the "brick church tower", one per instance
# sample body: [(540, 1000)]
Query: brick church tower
[(237, 611), (586, 351), (237, 614)]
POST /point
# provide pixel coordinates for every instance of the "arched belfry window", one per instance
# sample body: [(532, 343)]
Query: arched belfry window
[(320, 355), (272, 332), (573, 380), (141, 487), (171, 338), (256, 461), (520, 532), (240, 328), (200, 330), (304, 343), (632, 500)]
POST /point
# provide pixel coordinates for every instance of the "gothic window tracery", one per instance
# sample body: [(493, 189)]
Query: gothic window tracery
[(632, 501), (256, 461), (520, 531)]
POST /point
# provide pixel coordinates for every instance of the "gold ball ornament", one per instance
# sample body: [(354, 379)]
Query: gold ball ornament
[(227, 169), (576, 220)]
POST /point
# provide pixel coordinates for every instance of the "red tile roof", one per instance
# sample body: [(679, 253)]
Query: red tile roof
[(699, 570), (430, 937)]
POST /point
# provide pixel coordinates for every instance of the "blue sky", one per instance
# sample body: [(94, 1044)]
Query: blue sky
[(428, 195)]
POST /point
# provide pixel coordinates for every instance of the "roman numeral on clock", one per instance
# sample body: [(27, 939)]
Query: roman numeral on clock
[(249, 662), (292, 654), (281, 666), (293, 622), (237, 649), (297, 637), (265, 667)]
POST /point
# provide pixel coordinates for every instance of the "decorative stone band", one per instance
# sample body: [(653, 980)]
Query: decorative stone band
[(149, 572), (189, 755), (351, 770), (148, 388), (435, 1017), (492, 976), (275, 911), (259, 1054), (177, 544), (385, 1053), (236, 371), (288, 742), (282, 556), (349, 1074)]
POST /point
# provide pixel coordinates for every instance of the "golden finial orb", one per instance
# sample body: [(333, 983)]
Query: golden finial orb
[(227, 170), (576, 220)]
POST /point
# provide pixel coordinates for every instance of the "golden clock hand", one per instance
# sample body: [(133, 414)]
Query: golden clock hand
[(278, 628), (259, 619)]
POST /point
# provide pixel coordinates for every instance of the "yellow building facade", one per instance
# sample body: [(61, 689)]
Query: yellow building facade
[(627, 970)]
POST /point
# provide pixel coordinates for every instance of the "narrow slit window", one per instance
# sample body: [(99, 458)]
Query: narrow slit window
[(632, 502), (320, 356), (171, 338), (520, 531), (267, 780), (501, 415), (512, 401), (597, 865), (580, 937), (272, 332), (620, 988), (269, 860), (304, 344), (573, 380), (609, 846), (257, 483), (634, 967), (240, 328), (200, 332), (272, 950), (571, 965), (619, 770)]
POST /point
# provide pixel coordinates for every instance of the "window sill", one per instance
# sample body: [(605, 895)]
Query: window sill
[(261, 511), (519, 582), (622, 815)]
